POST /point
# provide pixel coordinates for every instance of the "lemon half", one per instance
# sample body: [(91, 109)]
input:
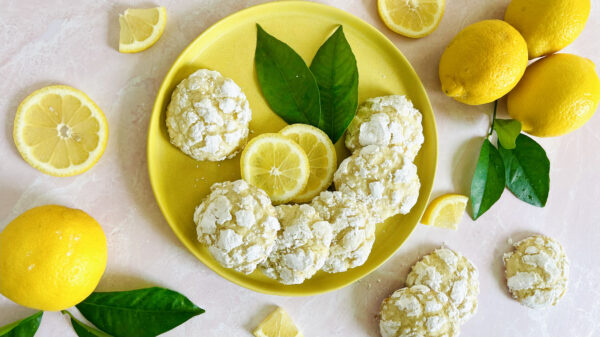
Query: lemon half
[(445, 211), (60, 131), (321, 156), (277, 165), (411, 18)]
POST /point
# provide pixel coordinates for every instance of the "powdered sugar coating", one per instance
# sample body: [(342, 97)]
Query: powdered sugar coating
[(382, 177), (537, 271), (387, 121), (418, 311), (208, 116), (238, 225), (302, 245), (449, 272), (353, 230)]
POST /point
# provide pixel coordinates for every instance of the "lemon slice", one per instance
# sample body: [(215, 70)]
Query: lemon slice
[(411, 18), (277, 165), (60, 131), (445, 211), (277, 324), (141, 28), (321, 156)]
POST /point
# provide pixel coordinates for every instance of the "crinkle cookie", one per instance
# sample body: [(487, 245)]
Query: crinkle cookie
[(387, 121), (302, 245), (537, 271), (382, 177), (418, 311), (208, 116), (353, 230), (238, 225), (449, 272)]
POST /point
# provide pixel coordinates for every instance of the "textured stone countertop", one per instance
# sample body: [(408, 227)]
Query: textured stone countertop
[(75, 42)]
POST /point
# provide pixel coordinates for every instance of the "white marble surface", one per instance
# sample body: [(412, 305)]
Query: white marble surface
[(47, 42)]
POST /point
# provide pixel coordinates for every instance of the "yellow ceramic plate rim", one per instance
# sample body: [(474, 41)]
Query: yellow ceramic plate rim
[(163, 96)]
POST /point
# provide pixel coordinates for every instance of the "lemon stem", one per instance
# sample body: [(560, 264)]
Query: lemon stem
[(493, 118)]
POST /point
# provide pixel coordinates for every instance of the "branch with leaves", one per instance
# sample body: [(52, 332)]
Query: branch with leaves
[(518, 163)]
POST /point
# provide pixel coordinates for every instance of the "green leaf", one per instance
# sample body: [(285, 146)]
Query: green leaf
[(507, 131), (140, 313), (488, 181), (26, 327), (334, 67), (527, 171), (286, 82), (84, 330)]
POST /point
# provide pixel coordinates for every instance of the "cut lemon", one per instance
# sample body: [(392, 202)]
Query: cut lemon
[(277, 324), (445, 211), (141, 28), (60, 131), (277, 165), (321, 156), (411, 18)]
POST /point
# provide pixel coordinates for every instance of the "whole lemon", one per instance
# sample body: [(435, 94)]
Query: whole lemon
[(51, 257), (483, 62), (557, 95), (548, 25)]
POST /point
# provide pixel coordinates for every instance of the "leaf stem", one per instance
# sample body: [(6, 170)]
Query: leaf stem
[(493, 118)]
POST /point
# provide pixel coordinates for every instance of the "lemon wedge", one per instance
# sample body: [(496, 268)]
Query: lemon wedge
[(277, 324), (321, 156), (141, 28), (60, 131), (277, 165), (445, 211), (411, 18)]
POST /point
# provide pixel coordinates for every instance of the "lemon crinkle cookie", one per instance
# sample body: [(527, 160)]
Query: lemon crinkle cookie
[(449, 272), (387, 121), (238, 224), (418, 311), (353, 230), (208, 116), (537, 271), (382, 177), (302, 245)]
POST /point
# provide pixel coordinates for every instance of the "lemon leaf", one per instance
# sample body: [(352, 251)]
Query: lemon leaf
[(527, 171), (507, 131), (82, 329), (286, 82), (26, 327), (488, 181), (143, 312), (334, 67)]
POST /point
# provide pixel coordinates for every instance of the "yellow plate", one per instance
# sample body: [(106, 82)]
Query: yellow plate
[(180, 183)]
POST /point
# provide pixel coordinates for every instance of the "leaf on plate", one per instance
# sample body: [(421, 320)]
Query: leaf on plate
[(82, 329), (488, 181), (141, 313), (507, 131), (334, 67), (286, 82), (26, 327), (527, 171)]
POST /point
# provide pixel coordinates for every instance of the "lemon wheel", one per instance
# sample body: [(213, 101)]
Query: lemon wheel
[(277, 165), (60, 131), (321, 156), (411, 18), (141, 28)]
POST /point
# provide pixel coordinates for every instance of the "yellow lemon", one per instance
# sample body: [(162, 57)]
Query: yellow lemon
[(445, 211), (277, 165), (411, 18), (51, 257), (141, 28), (321, 155), (548, 25), (483, 62), (60, 131), (557, 95), (277, 324)]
